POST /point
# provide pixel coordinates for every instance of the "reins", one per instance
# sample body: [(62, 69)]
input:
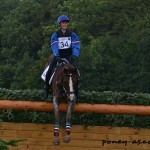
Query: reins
[(58, 81)]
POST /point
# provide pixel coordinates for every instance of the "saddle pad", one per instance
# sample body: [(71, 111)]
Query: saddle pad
[(43, 76)]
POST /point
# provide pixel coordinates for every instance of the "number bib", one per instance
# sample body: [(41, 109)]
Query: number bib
[(64, 42)]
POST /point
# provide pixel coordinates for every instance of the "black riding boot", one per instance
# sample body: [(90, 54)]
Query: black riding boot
[(78, 91), (48, 76), (46, 87)]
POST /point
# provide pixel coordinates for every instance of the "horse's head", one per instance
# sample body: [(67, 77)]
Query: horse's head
[(70, 81)]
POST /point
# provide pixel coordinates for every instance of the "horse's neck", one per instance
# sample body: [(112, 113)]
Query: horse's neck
[(68, 65)]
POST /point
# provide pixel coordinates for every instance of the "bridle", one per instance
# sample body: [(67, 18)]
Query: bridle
[(65, 61), (64, 89)]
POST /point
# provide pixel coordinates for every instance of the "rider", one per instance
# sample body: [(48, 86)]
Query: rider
[(64, 44)]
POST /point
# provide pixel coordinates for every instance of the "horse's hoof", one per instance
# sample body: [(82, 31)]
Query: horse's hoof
[(56, 142), (66, 139)]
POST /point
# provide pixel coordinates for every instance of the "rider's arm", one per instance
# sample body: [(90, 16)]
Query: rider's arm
[(75, 45), (54, 44)]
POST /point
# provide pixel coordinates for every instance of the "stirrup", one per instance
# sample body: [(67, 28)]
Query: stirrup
[(44, 88), (46, 92)]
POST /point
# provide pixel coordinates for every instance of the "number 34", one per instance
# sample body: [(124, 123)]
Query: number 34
[(63, 44)]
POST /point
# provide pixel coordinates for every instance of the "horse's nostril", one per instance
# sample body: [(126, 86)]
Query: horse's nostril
[(71, 97)]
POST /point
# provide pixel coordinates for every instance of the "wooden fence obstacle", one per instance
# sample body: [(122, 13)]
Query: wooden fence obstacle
[(40, 137), (80, 108)]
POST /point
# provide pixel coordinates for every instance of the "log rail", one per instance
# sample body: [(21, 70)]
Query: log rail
[(80, 108)]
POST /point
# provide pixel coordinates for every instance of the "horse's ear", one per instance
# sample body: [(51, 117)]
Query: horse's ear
[(75, 70), (65, 70)]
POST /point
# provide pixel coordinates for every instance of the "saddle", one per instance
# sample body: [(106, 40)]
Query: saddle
[(59, 65)]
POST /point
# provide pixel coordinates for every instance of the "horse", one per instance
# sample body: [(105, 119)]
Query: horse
[(64, 85)]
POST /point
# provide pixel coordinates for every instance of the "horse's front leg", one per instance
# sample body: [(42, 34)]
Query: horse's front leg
[(68, 121), (56, 122)]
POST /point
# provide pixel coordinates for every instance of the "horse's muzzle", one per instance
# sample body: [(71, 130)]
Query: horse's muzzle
[(71, 96)]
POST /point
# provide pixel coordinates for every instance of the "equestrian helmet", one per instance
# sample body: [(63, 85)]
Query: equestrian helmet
[(62, 18)]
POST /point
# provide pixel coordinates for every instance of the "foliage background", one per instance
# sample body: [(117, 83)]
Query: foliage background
[(86, 119), (114, 61), (114, 35)]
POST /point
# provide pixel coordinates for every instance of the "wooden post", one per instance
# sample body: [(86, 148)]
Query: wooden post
[(80, 108)]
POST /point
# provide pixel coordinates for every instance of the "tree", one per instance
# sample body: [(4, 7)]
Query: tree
[(114, 38), (21, 34)]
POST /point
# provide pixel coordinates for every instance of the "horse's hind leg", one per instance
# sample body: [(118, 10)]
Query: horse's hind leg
[(56, 123), (68, 122)]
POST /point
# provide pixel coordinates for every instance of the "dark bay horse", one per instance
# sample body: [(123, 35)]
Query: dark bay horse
[(64, 85)]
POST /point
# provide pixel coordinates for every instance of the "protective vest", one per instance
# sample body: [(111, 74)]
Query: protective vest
[(64, 43)]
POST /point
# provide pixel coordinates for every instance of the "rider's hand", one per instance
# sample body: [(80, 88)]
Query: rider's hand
[(73, 58), (58, 59)]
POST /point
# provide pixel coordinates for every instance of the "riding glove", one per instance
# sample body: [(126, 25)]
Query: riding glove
[(73, 58), (58, 59)]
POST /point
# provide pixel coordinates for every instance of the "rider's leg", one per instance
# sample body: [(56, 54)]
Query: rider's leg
[(77, 92), (48, 75)]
